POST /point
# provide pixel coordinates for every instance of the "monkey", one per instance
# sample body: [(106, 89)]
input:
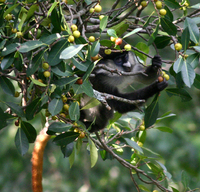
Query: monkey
[(104, 81)]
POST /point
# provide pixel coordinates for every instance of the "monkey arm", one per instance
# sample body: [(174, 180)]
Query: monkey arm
[(144, 93)]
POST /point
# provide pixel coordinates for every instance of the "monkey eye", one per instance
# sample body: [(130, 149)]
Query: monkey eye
[(118, 61)]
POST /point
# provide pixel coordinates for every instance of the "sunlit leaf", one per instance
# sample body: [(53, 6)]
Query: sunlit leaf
[(93, 153), (134, 145), (71, 51)]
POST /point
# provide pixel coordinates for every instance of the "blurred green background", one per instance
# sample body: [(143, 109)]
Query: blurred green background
[(180, 151)]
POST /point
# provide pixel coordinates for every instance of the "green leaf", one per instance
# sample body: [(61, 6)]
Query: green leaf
[(188, 74), (88, 72), (177, 67), (162, 41), (52, 8), (49, 39), (132, 32), (172, 3), (180, 93), (30, 45), (29, 130), (165, 129), (185, 180), (21, 141), (72, 157), (95, 48), (59, 127), (142, 136), (7, 61), (31, 11), (55, 106), (91, 103), (65, 138), (10, 9), (16, 109), (93, 153), (7, 86), (153, 35), (197, 81), (112, 33), (174, 189), (84, 88), (193, 60), (33, 108), (103, 23), (193, 29), (151, 112), (67, 149), (62, 71), (142, 187), (185, 38), (36, 82), (83, 66), (74, 111), (3, 122), (56, 21), (146, 24), (134, 145), (121, 28), (9, 49), (143, 47), (71, 51), (168, 26), (23, 18), (197, 48), (107, 43), (66, 81), (196, 6), (54, 55), (34, 63)]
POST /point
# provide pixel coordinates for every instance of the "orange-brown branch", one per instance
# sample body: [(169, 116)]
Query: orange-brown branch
[(37, 160)]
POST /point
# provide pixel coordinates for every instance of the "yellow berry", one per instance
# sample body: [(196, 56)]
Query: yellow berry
[(158, 4), (127, 47), (82, 135), (166, 76), (64, 98), (76, 34), (178, 46), (140, 144), (101, 17), (163, 12), (47, 74), (107, 51), (142, 127), (112, 39), (91, 10), (65, 107), (19, 34), (45, 65), (40, 80), (65, 1), (144, 3), (97, 8), (91, 38), (8, 17), (17, 94), (14, 30), (71, 38), (74, 27), (63, 115)]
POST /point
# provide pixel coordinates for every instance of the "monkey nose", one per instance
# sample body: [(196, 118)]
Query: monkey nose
[(127, 66)]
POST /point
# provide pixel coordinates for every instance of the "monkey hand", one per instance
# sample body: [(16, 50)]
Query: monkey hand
[(162, 85), (156, 62)]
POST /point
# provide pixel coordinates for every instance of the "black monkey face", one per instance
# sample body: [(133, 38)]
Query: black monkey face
[(122, 61)]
